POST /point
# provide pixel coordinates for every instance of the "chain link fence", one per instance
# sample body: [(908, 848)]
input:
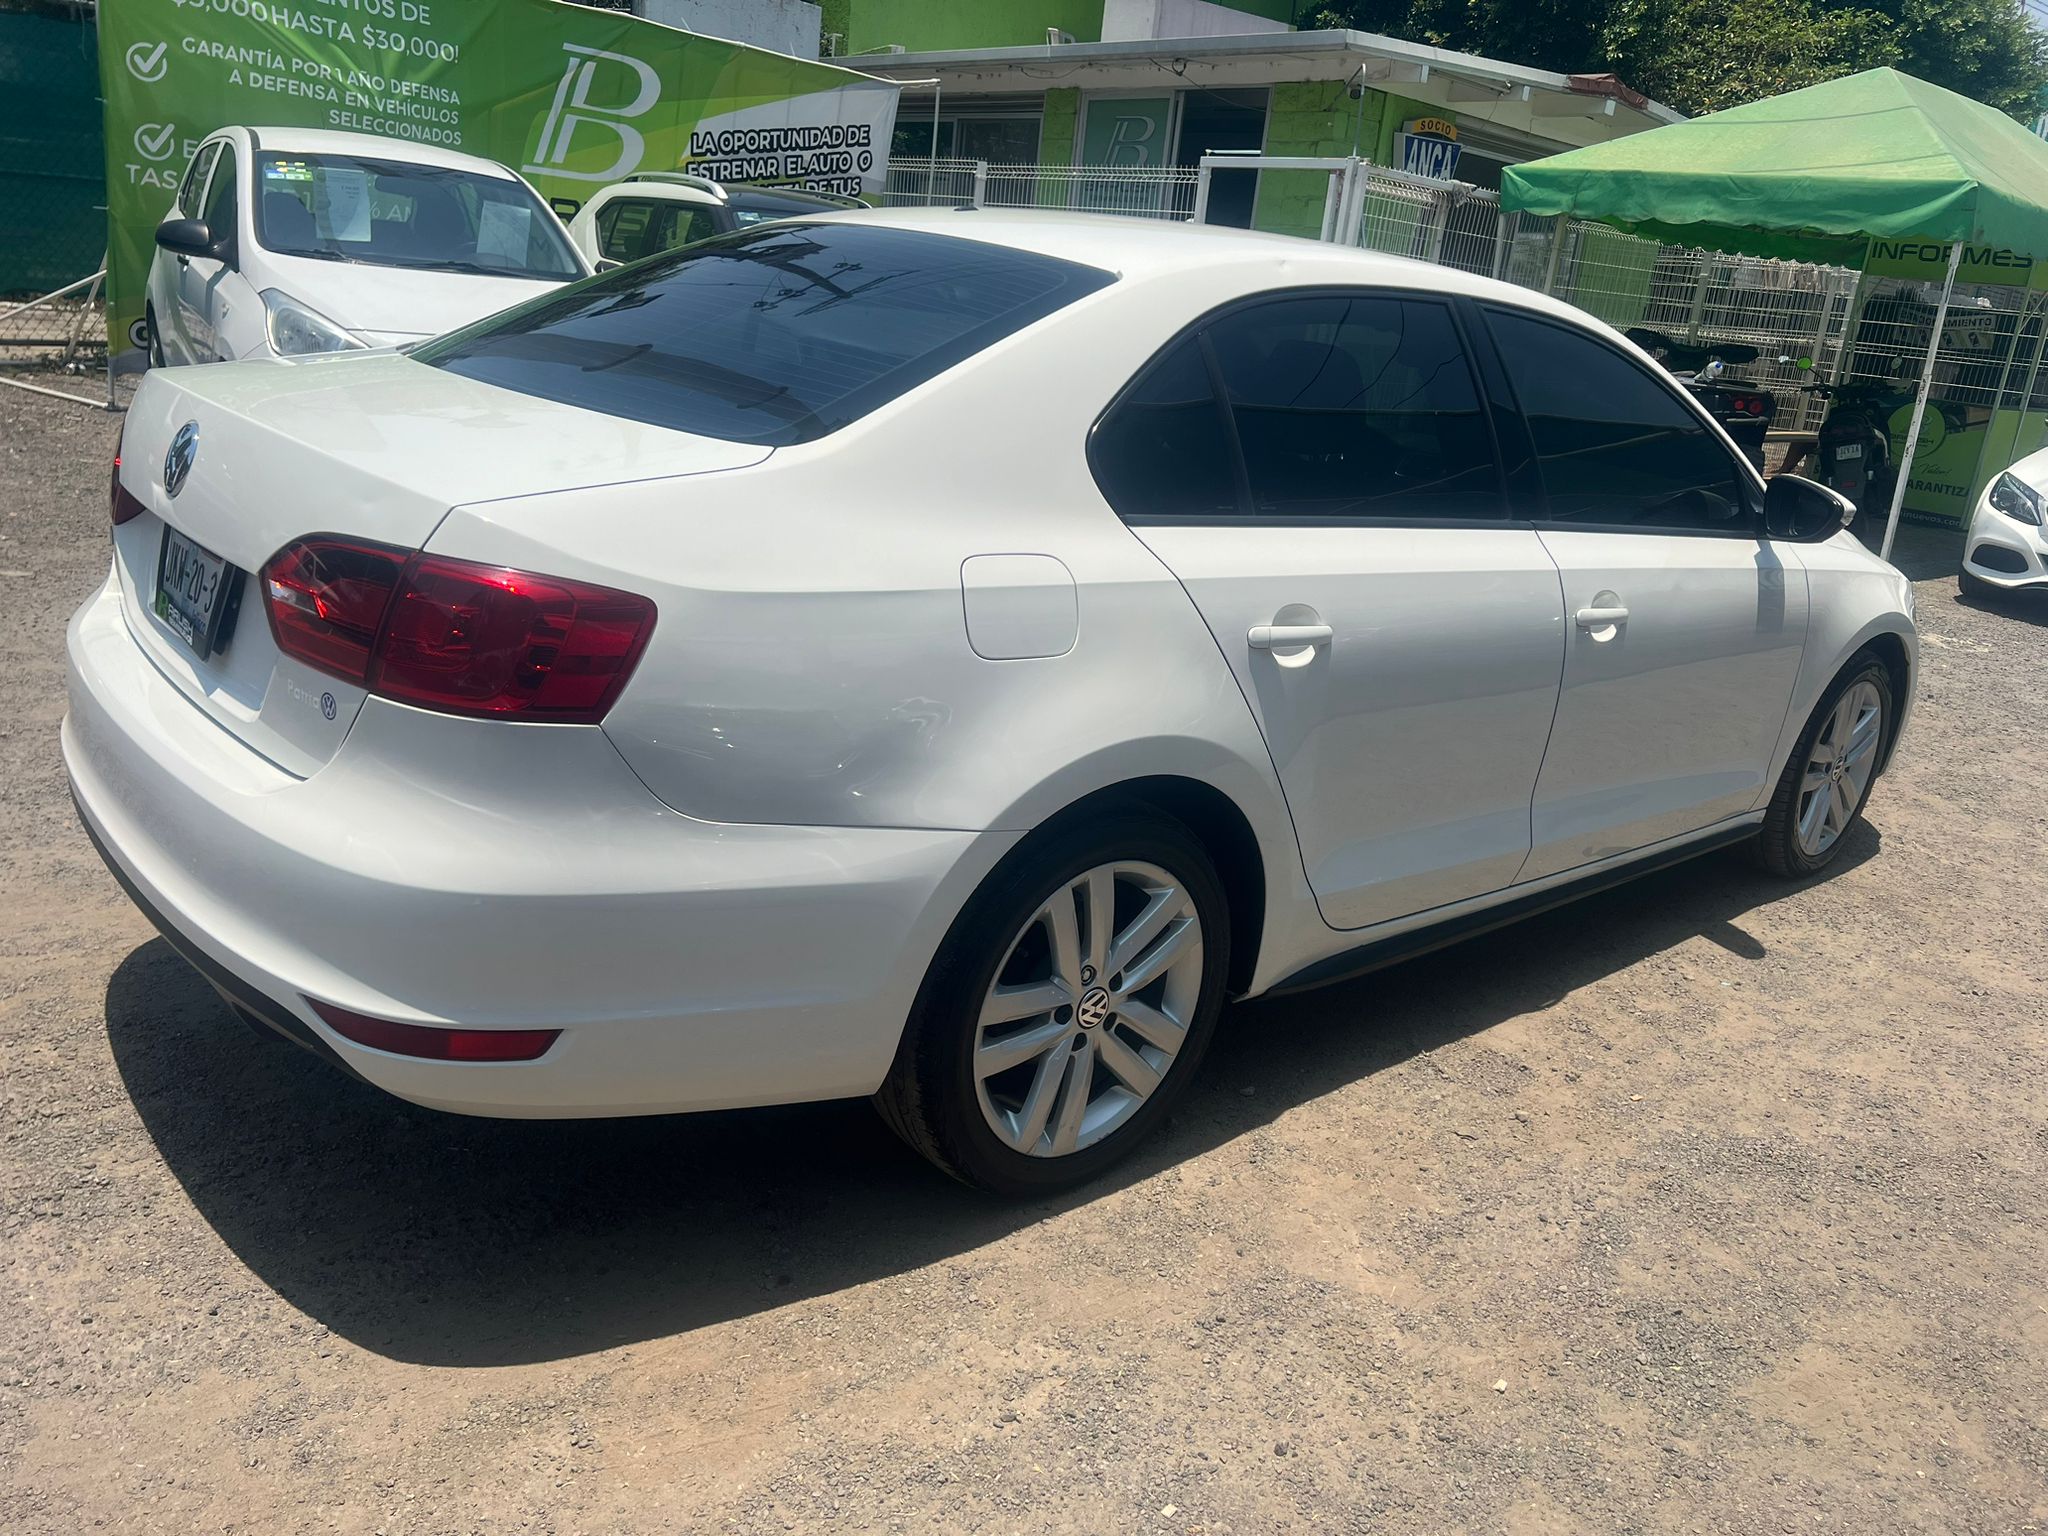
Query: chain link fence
[(52, 189)]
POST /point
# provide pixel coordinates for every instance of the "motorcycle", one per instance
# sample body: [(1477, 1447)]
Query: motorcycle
[(1746, 410), (1855, 444)]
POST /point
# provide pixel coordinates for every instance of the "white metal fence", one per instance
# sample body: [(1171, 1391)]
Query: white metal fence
[(1147, 192)]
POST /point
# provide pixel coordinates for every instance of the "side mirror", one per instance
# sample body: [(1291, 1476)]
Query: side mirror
[(186, 237), (1801, 512)]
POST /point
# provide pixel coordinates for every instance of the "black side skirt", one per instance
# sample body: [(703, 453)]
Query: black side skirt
[(1381, 953)]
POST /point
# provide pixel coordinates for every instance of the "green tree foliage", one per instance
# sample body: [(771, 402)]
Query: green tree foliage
[(1701, 55)]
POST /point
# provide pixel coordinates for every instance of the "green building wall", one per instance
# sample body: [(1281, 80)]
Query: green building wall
[(928, 26), (925, 26)]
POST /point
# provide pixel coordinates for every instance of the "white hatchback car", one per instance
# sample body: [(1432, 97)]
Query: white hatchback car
[(2007, 544), (285, 242), (940, 655)]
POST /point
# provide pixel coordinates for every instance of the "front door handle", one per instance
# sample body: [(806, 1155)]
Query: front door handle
[(1600, 618), (1288, 637)]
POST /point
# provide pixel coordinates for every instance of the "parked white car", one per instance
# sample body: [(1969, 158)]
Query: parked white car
[(2007, 545), (655, 211), (941, 655), (285, 242)]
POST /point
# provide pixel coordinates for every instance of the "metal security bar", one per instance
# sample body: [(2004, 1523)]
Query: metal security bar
[(915, 182)]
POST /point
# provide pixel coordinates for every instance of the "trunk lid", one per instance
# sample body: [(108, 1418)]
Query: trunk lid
[(374, 447)]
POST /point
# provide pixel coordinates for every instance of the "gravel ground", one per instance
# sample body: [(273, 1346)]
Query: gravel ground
[(1708, 1205)]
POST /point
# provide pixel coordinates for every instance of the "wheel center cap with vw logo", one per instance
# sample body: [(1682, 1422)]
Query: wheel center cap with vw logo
[(1094, 1008), (178, 462)]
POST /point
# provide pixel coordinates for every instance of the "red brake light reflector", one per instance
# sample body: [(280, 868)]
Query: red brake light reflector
[(432, 1043), (122, 506)]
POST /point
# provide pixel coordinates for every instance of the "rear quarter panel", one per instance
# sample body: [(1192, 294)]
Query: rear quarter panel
[(811, 662)]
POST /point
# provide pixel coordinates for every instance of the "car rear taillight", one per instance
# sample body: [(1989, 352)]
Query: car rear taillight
[(121, 505), (327, 599), (453, 635), (434, 1043)]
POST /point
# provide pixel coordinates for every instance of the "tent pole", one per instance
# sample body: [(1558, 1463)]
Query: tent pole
[(1556, 254), (1948, 288)]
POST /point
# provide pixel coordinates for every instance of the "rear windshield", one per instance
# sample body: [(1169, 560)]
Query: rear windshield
[(774, 335)]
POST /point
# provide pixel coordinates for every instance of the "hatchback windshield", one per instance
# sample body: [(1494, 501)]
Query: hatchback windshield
[(774, 335), (392, 214)]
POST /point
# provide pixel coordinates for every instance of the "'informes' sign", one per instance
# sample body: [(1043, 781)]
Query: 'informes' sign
[(1428, 146)]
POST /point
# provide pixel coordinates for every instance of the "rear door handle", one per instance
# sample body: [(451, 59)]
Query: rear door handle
[(1288, 637), (1600, 618)]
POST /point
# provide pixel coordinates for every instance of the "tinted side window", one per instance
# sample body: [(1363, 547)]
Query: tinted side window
[(685, 224), (195, 180), (220, 197), (622, 230), (1613, 444), (1164, 449), (1357, 406)]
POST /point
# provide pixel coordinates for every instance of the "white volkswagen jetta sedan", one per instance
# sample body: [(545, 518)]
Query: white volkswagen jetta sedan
[(940, 655), (290, 241)]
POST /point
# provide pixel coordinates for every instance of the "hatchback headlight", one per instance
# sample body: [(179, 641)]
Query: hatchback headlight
[(2017, 500), (298, 330)]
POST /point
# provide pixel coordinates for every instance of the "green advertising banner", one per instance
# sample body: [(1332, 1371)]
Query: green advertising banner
[(569, 97)]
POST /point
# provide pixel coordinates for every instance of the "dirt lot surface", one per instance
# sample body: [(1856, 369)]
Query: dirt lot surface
[(1709, 1205)]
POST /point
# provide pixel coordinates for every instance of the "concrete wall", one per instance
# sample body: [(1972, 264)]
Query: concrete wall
[(1128, 21), (787, 26)]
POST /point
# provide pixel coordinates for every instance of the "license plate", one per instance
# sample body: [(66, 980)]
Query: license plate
[(1848, 451), (197, 593)]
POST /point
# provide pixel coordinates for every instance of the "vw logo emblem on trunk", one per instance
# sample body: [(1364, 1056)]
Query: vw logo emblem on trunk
[(178, 462)]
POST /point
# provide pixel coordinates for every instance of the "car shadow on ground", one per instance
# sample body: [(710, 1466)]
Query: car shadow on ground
[(444, 1240), (2029, 606)]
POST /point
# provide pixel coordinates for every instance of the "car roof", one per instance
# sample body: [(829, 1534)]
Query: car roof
[(1136, 247), (370, 146)]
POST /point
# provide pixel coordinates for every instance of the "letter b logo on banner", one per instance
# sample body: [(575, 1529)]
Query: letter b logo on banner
[(573, 107)]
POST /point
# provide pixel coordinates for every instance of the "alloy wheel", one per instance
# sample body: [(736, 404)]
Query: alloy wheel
[(1839, 768), (1089, 1009)]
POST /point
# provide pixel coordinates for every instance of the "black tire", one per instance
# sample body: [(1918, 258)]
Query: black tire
[(1777, 841), (156, 346), (1975, 588), (930, 1097)]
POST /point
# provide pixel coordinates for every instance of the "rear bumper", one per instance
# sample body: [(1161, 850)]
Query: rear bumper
[(440, 871)]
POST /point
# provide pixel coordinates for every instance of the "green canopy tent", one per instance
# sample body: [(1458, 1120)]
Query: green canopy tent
[(1816, 175)]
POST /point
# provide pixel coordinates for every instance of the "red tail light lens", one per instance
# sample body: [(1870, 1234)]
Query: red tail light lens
[(327, 599), (432, 1043), (121, 506), (481, 640), (455, 636)]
